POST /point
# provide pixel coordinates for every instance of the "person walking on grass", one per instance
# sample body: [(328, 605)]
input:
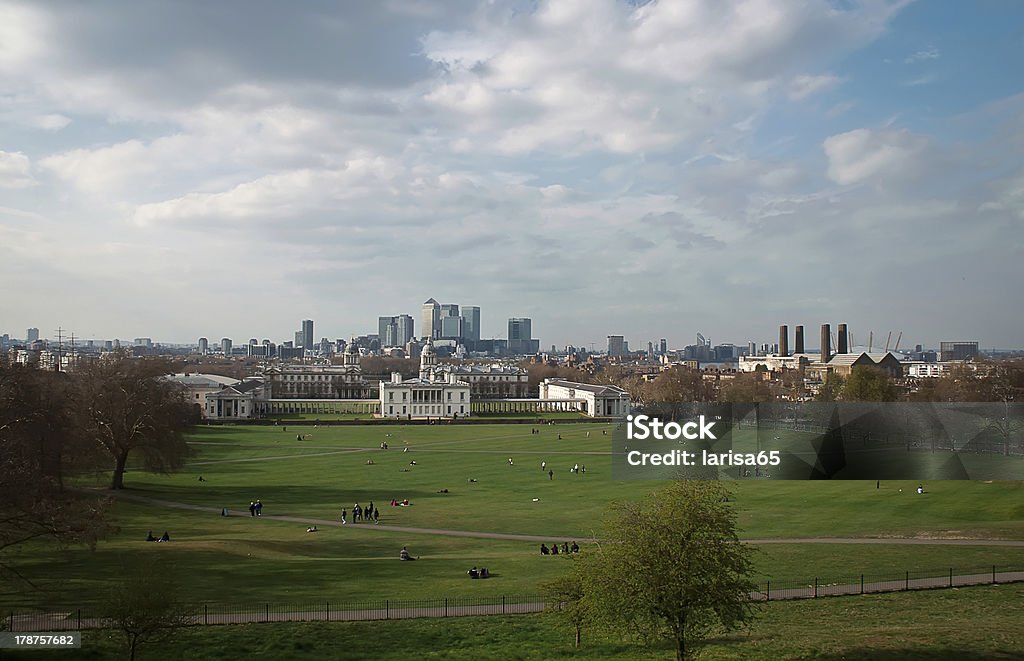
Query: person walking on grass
[(343, 515), (551, 474), (252, 508), (259, 508)]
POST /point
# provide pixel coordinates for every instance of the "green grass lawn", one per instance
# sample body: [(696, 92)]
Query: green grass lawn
[(970, 624), (318, 476), (239, 560)]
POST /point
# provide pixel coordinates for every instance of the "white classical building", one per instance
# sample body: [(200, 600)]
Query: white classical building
[(198, 386), (431, 395), (598, 400), (241, 401)]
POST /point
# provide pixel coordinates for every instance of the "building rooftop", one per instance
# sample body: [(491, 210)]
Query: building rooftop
[(588, 387)]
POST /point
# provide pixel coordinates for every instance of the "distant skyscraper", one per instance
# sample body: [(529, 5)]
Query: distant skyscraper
[(451, 327), (307, 334), (225, 346), (663, 346), (431, 319), (298, 339), (31, 335), (471, 323), (395, 331), (616, 346), (449, 310), (204, 346), (520, 336)]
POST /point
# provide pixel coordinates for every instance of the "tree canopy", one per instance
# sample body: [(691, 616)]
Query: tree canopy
[(672, 566)]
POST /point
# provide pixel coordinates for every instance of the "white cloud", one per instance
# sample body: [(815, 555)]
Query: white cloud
[(577, 77), (864, 154), (1009, 196), (15, 170), (804, 86), (930, 53)]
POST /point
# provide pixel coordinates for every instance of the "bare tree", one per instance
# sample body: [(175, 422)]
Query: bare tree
[(39, 444), (130, 407), (146, 607)]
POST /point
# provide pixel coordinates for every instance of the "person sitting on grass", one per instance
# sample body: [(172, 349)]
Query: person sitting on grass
[(473, 573), (165, 537), (544, 550), (149, 537), (404, 554), (484, 573), (311, 529)]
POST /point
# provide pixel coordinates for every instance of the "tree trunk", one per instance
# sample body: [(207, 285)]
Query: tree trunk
[(680, 649), (117, 480), (578, 628)]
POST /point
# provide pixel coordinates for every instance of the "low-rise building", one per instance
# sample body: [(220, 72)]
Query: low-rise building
[(597, 400)]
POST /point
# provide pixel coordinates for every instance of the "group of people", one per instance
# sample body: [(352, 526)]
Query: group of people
[(544, 550), (479, 573), (163, 538), (362, 514), (255, 508)]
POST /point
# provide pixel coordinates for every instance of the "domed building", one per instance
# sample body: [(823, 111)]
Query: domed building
[(430, 395)]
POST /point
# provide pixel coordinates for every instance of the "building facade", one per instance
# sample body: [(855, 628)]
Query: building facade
[(343, 381), (597, 400), (432, 394)]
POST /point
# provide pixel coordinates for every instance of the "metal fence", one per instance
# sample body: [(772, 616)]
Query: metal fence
[(833, 586), (327, 610)]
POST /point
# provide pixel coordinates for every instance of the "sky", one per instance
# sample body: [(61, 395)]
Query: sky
[(183, 169)]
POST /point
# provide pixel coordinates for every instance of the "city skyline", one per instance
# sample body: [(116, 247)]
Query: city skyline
[(725, 168)]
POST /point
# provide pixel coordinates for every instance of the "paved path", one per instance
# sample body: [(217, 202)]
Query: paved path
[(544, 538), (387, 609)]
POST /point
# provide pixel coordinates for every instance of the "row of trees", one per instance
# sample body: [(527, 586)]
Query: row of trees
[(56, 425), (985, 382)]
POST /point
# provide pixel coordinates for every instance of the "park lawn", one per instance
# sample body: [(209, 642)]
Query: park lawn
[(238, 561), (969, 624), (318, 476)]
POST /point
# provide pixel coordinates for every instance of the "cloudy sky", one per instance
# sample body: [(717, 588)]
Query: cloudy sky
[(175, 169)]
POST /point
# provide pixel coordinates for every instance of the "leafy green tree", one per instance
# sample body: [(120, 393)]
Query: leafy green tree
[(128, 406), (672, 566), (564, 596), (868, 384), (831, 388)]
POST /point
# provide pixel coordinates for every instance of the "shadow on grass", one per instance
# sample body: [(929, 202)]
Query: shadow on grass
[(866, 654)]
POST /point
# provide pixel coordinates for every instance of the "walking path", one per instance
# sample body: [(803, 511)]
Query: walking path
[(543, 538), (388, 609)]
